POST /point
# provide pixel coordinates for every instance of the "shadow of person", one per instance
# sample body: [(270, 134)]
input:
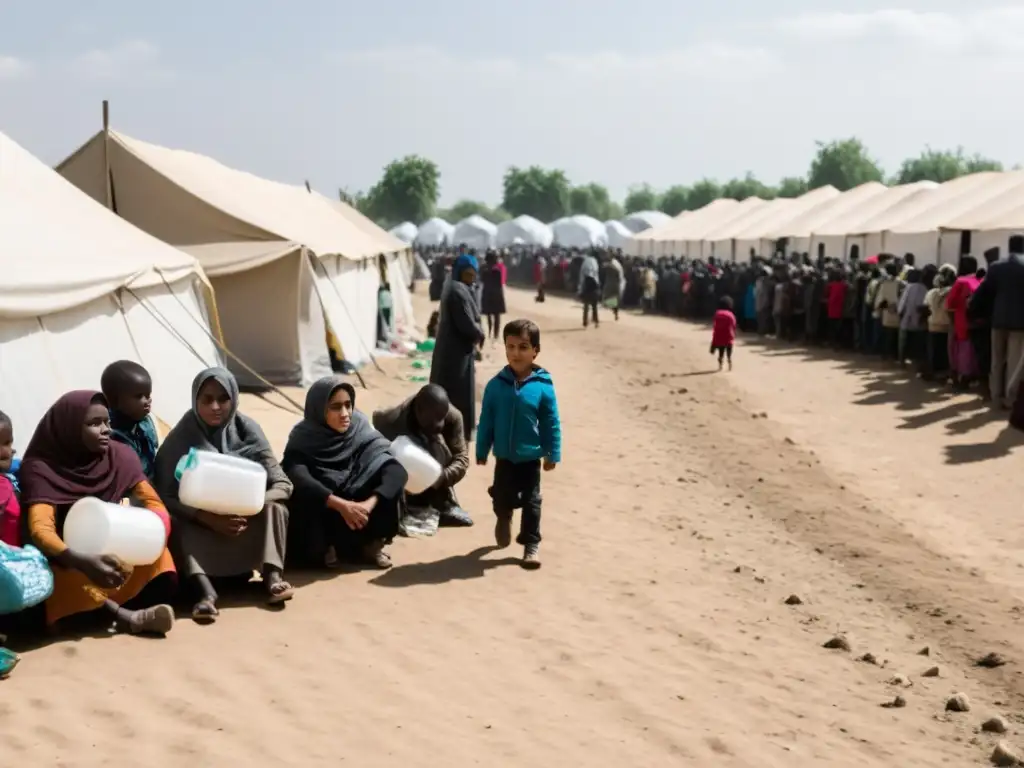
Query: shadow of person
[(455, 568), (1003, 445)]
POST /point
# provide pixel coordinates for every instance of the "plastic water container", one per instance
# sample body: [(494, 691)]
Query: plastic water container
[(132, 534), (224, 485), (423, 468)]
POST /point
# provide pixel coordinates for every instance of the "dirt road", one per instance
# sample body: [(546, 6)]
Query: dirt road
[(690, 506)]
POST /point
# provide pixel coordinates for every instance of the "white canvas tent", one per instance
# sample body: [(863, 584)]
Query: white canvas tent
[(83, 288), (579, 232), (922, 233), (754, 233), (434, 232), (406, 232), (524, 229), (830, 238), (282, 261), (476, 232), (644, 220), (798, 230), (694, 231), (618, 234), (991, 225), (669, 237)]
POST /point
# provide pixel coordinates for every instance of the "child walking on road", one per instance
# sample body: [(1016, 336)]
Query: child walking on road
[(723, 336), (519, 421)]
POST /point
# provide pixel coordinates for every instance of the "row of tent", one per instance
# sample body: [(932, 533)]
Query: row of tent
[(936, 222), (133, 251), (568, 232)]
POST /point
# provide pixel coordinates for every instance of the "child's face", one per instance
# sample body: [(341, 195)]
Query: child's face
[(6, 447), (520, 354), (136, 401)]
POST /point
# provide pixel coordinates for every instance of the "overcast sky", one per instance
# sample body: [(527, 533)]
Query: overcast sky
[(613, 91)]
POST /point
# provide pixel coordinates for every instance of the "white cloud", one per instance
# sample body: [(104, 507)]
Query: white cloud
[(132, 60), (987, 32), (12, 68)]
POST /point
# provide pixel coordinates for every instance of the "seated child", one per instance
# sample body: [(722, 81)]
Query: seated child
[(10, 509), (128, 388)]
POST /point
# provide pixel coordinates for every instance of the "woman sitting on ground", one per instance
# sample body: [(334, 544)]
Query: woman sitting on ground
[(208, 545), (71, 456), (347, 482)]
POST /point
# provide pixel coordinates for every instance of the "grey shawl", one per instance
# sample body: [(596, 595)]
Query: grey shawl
[(345, 461), (238, 436)]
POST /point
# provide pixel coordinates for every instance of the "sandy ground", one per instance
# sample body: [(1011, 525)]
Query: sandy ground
[(690, 506)]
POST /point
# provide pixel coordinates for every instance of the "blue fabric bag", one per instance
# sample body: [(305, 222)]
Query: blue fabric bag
[(25, 578)]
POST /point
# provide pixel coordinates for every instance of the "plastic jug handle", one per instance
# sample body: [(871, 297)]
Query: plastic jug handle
[(186, 462)]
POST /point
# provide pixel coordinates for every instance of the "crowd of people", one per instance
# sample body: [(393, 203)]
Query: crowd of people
[(336, 496), (961, 324)]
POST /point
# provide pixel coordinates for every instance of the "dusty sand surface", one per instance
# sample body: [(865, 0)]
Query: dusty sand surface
[(690, 506)]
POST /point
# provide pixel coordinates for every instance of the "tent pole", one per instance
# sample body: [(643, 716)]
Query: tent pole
[(106, 155), (308, 188)]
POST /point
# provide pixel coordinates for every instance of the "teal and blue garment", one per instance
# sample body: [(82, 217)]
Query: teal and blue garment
[(140, 436)]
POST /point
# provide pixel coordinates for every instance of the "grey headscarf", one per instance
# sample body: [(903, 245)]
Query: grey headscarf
[(238, 435), (345, 461)]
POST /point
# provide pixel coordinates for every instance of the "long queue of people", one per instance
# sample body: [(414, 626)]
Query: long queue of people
[(961, 324)]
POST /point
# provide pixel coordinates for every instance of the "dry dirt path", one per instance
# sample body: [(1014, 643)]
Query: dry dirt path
[(689, 507)]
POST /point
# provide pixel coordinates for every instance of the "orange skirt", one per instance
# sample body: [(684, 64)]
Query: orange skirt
[(74, 593)]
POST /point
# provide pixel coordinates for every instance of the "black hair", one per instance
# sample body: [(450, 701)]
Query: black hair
[(118, 377), (968, 265), (725, 302), (521, 327), (5, 420), (1016, 245)]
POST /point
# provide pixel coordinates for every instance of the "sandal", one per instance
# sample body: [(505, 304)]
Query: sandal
[(158, 620), (205, 611), (375, 556), (280, 592)]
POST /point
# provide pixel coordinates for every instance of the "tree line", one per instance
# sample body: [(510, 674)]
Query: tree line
[(409, 187)]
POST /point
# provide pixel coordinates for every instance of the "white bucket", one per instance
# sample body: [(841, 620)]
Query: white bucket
[(134, 535), (422, 468), (224, 485)]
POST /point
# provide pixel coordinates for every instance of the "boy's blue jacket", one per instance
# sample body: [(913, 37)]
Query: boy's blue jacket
[(519, 420)]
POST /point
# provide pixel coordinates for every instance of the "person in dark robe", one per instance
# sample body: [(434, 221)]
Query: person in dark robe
[(429, 420), (347, 482), (492, 294), (438, 275), (459, 336)]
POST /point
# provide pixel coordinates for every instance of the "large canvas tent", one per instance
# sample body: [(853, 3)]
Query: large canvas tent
[(694, 230), (668, 238), (282, 261), (798, 230), (83, 288), (641, 221), (921, 233), (579, 232), (523, 230), (830, 238), (991, 225)]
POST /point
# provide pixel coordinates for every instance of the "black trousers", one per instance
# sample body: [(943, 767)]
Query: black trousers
[(517, 485), (590, 304), (723, 352)]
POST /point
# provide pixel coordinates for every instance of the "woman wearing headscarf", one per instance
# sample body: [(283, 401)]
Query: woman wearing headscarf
[(208, 545), (459, 336), (492, 294), (614, 285), (347, 482), (71, 456)]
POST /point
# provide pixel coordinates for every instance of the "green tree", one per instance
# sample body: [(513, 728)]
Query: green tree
[(466, 208), (703, 192), (407, 191), (537, 192), (357, 200), (591, 200), (942, 166), (641, 198), (748, 186), (675, 200), (792, 186), (844, 163)]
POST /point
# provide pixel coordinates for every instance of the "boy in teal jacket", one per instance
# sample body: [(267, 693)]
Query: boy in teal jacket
[(519, 421)]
